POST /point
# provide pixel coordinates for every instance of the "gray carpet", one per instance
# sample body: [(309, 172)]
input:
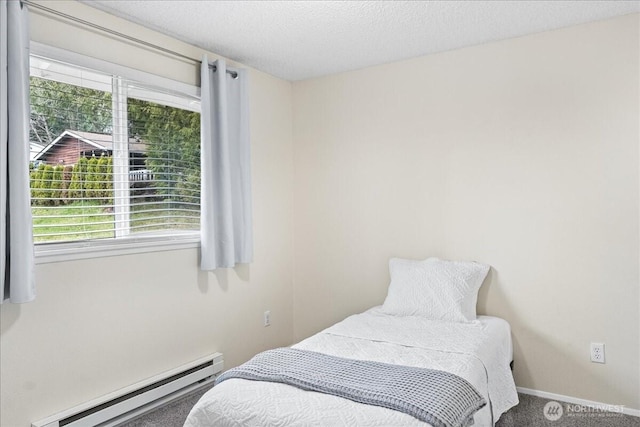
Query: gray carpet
[(528, 413), (172, 414)]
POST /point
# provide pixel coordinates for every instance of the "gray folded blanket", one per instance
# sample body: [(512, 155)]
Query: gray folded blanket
[(439, 398)]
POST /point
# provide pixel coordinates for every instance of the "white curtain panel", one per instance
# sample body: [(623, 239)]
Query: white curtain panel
[(16, 239), (226, 216)]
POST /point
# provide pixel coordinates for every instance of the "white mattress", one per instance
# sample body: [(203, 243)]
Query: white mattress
[(480, 352)]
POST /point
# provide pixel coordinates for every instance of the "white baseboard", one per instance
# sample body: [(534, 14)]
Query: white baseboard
[(574, 400)]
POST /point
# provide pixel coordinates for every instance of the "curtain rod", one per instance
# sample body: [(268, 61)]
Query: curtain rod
[(120, 35)]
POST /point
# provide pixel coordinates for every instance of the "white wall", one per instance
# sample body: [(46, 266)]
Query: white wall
[(522, 154), (98, 325)]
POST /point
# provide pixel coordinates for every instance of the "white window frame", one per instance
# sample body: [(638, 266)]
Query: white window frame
[(48, 252)]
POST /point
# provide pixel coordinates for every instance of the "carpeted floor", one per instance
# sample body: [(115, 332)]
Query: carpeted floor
[(528, 413), (170, 415)]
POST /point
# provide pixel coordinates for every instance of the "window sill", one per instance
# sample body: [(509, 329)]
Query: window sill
[(69, 251)]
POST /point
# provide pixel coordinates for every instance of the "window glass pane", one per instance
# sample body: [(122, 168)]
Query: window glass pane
[(71, 155), (165, 167)]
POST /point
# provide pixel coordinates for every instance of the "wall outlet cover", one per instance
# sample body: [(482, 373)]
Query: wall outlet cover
[(597, 352)]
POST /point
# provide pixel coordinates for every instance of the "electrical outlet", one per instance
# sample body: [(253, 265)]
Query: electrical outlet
[(267, 318), (597, 352)]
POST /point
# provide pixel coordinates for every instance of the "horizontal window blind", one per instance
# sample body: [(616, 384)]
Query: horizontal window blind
[(110, 158)]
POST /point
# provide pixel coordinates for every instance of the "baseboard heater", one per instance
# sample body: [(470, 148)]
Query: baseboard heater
[(130, 402)]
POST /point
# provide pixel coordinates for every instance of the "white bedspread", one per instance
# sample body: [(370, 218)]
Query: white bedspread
[(480, 352)]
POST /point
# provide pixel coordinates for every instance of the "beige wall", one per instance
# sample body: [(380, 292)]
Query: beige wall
[(522, 154), (98, 325)]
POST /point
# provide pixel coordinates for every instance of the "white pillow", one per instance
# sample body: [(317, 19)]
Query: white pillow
[(434, 288)]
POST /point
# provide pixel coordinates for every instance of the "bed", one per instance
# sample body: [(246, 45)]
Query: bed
[(435, 329)]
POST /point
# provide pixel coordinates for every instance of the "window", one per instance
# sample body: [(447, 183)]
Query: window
[(113, 160)]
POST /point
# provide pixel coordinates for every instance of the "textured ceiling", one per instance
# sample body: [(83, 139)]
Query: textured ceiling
[(296, 40)]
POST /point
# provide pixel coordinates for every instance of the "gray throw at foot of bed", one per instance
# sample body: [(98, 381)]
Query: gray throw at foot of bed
[(439, 398)]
